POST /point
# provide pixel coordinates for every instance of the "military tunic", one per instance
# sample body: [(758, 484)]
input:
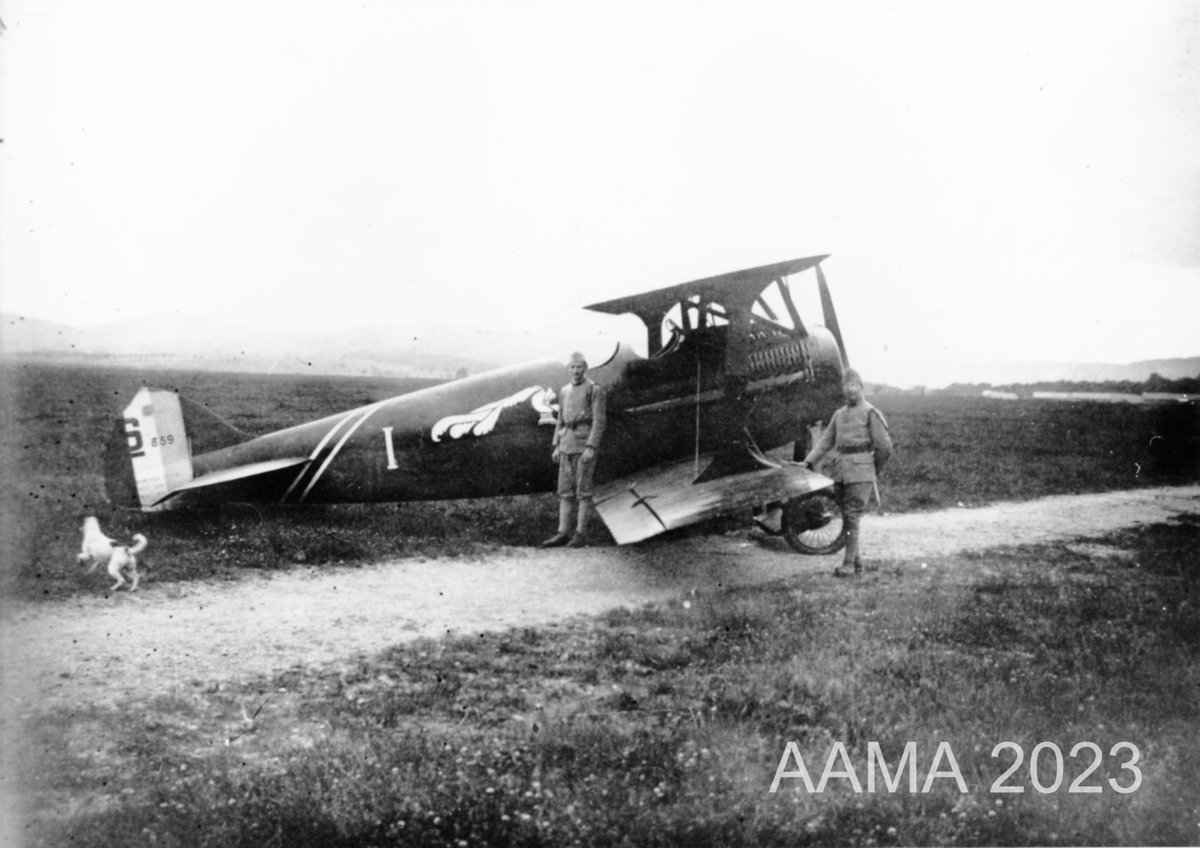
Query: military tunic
[(860, 435), (581, 417), (581, 421)]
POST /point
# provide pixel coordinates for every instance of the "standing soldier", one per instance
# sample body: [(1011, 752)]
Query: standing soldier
[(581, 420), (861, 437)]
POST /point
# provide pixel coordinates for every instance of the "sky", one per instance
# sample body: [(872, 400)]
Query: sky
[(992, 181)]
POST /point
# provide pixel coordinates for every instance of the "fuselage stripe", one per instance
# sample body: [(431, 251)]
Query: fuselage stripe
[(362, 419), (317, 450)]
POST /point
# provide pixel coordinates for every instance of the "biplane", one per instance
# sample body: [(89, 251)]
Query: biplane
[(698, 427)]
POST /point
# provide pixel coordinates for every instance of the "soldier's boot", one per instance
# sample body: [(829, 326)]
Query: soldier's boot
[(563, 536), (850, 561), (579, 539)]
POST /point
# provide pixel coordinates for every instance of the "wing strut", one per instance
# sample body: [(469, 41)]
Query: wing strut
[(831, 321), (786, 293), (697, 418)]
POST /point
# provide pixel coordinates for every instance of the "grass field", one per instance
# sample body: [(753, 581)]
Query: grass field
[(56, 419), (662, 725), (666, 725)]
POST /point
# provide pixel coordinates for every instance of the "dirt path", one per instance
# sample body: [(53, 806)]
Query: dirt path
[(98, 650)]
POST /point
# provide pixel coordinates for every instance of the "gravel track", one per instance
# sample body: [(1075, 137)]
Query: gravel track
[(106, 649)]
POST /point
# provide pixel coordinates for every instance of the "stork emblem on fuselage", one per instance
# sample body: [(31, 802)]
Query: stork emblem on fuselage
[(481, 421)]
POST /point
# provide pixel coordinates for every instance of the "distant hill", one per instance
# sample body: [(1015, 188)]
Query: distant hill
[(443, 351), (178, 341)]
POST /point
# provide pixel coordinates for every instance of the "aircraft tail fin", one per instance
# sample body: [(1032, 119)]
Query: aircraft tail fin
[(207, 431), (149, 453)]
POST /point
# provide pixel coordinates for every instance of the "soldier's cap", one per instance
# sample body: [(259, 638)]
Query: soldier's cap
[(576, 358), (852, 376)]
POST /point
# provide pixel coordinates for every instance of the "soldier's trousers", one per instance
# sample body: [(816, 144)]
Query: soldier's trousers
[(575, 484), (575, 475), (854, 501)]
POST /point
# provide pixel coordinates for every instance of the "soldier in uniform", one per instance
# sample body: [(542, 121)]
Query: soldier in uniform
[(860, 434), (581, 419)]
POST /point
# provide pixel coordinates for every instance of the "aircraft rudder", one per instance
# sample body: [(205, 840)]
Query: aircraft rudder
[(119, 483), (148, 454)]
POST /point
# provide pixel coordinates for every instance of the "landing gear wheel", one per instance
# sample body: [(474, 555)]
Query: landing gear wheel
[(814, 524)]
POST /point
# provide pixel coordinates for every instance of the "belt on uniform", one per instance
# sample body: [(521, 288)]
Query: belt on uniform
[(855, 449), (572, 425)]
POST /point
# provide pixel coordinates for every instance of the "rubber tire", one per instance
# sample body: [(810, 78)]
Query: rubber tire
[(797, 518)]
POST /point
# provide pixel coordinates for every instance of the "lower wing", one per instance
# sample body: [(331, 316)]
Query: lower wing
[(674, 495)]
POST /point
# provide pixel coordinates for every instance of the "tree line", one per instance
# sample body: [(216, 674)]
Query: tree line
[(1154, 384)]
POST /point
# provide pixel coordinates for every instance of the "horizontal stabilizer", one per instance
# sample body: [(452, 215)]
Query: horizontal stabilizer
[(239, 474), (665, 498)]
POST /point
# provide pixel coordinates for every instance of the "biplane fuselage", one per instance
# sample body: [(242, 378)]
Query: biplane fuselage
[(733, 380)]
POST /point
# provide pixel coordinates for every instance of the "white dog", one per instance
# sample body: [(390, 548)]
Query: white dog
[(121, 559)]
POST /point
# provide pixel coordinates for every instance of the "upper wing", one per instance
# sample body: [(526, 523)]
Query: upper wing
[(673, 495), (737, 286)]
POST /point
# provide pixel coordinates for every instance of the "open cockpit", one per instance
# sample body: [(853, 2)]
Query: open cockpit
[(744, 325)]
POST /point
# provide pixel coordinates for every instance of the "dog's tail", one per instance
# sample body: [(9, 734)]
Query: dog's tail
[(149, 454), (139, 544)]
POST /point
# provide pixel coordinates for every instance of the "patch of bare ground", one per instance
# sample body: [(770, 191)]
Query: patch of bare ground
[(220, 671), (164, 640)]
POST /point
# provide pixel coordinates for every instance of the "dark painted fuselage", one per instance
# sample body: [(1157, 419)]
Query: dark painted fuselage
[(491, 434)]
